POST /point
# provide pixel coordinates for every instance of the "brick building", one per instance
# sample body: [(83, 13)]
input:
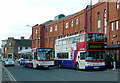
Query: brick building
[(13, 46), (105, 19)]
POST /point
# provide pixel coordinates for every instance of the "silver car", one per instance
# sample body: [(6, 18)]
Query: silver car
[(9, 62)]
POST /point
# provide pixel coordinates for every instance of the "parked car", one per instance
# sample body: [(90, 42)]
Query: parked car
[(3, 60), (9, 62)]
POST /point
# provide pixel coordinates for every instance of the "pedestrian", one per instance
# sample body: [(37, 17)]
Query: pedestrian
[(114, 62)]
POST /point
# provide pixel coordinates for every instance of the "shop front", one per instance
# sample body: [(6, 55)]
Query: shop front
[(114, 51)]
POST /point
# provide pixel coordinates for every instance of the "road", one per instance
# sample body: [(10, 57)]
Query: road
[(20, 73)]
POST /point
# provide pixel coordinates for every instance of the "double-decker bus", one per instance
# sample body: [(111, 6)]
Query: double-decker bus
[(41, 57), (81, 51)]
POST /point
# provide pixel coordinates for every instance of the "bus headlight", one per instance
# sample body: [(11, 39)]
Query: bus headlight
[(103, 63), (88, 63), (38, 64), (52, 63)]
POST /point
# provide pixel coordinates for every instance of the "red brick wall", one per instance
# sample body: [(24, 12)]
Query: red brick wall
[(83, 21)]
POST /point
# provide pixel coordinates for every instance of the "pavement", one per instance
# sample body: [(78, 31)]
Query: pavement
[(0, 71)]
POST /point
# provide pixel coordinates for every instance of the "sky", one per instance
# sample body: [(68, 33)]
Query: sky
[(15, 15)]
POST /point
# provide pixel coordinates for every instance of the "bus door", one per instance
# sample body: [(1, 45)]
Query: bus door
[(82, 59), (34, 60)]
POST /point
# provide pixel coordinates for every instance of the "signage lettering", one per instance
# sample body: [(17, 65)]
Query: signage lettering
[(44, 49), (95, 46)]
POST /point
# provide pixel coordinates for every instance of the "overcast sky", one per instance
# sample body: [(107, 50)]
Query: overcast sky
[(16, 14)]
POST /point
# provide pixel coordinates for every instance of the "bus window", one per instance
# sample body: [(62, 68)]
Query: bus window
[(90, 37), (99, 38), (82, 38), (64, 42), (94, 37), (35, 55), (56, 42), (62, 55), (60, 42), (41, 56), (77, 39), (95, 55), (82, 55), (67, 41), (9, 56), (71, 40)]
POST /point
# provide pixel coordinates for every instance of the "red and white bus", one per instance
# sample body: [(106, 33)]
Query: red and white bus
[(41, 57), (81, 51)]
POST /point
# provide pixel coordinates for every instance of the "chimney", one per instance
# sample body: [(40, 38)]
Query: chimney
[(10, 38), (22, 37)]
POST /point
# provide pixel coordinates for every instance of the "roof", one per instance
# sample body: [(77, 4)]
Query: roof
[(24, 42), (50, 21), (47, 22)]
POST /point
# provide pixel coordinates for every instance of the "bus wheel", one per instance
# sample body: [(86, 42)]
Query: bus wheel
[(59, 65), (76, 66)]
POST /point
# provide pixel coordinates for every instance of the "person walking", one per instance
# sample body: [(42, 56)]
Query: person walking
[(114, 62)]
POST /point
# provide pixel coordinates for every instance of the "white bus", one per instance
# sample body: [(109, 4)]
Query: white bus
[(41, 57)]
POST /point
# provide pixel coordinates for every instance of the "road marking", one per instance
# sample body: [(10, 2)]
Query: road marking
[(12, 78)]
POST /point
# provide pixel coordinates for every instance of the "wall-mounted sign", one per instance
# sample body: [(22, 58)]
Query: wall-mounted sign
[(114, 36)]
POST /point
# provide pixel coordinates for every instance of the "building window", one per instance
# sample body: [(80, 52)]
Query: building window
[(50, 29), (10, 44), (71, 23), (46, 30), (112, 26), (54, 39), (118, 42), (36, 41), (66, 25), (76, 33), (99, 22), (76, 21), (55, 27), (117, 23), (36, 32), (105, 23), (118, 4), (46, 40), (51, 40)]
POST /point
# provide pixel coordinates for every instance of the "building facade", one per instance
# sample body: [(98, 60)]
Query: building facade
[(105, 18), (14, 46)]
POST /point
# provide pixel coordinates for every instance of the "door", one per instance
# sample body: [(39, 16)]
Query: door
[(82, 60), (34, 60)]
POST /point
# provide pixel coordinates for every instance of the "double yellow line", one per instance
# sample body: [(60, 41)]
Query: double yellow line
[(9, 74)]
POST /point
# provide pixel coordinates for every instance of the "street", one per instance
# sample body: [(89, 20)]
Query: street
[(20, 73)]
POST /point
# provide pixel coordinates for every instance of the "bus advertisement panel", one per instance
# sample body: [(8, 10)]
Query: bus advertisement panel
[(80, 51)]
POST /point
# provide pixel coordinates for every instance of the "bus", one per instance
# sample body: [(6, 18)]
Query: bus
[(41, 57), (10, 56), (81, 51), (25, 55)]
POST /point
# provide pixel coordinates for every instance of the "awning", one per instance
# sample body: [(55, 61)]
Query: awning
[(113, 47)]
